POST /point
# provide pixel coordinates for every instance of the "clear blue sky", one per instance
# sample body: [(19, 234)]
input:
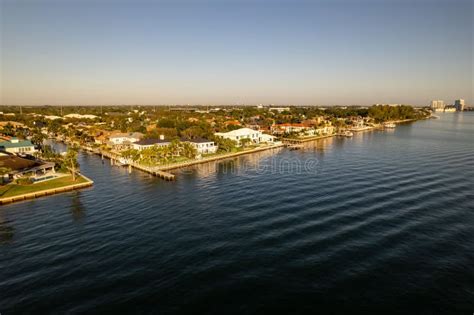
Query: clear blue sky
[(234, 52)]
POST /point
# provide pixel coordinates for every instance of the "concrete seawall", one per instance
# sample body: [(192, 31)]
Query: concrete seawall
[(46, 192)]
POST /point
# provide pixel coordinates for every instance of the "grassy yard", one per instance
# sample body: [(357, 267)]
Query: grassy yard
[(12, 190)]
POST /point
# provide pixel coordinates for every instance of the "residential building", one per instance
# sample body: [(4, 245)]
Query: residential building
[(14, 124), (287, 128), (279, 109), (122, 138), (437, 105), (17, 146), (52, 117), (326, 130), (232, 123), (79, 116), (148, 143), (267, 138), (123, 141), (243, 133), (203, 146)]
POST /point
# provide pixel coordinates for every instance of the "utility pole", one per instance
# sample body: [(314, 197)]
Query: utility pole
[(21, 110)]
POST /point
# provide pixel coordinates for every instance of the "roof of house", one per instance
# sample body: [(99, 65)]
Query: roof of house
[(238, 132), (151, 141), (293, 125), (196, 140), (135, 135), (16, 163), (232, 122), (80, 116), (19, 144), (13, 123)]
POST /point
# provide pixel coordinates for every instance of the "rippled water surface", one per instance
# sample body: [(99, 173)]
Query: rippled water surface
[(381, 222)]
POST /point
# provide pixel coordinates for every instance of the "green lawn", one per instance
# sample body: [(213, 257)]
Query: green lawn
[(12, 190)]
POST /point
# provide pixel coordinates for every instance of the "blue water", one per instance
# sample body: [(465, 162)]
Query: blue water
[(380, 223)]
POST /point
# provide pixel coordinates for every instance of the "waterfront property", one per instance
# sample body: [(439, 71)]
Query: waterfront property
[(123, 141), (61, 183), (326, 130), (203, 146), (148, 143), (14, 145), (122, 138), (286, 128), (255, 136)]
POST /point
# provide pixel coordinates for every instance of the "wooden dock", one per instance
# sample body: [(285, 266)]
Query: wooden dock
[(290, 141)]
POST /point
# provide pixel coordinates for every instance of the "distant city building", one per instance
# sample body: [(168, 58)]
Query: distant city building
[(437, 105), (459, 104)]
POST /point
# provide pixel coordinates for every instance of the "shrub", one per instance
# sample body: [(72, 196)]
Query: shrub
[(24, 181)]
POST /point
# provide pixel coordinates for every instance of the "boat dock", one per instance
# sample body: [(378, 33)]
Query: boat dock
[(290, 141)]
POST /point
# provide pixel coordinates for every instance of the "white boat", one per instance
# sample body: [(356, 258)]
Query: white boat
[(347, 133), (121, 162), (389, 125)]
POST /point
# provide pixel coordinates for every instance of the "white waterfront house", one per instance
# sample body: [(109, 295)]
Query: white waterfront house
[(237, 135), (148, 143), (124, 138), (267, 138), (289, 128), (326, 130)]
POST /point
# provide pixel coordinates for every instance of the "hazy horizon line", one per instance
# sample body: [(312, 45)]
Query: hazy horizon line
[(211, 105)]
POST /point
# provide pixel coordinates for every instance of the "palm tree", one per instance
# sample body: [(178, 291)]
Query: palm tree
[(245, 141), (174, 147), (38, 138), (189, 150)]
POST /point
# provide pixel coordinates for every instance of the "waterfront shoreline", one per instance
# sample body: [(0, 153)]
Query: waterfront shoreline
[(161, 170), (47, 192)]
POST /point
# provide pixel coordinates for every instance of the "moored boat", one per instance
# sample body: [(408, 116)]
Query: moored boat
[(389, 125)]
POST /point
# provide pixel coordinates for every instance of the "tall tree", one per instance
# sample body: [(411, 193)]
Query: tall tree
[(38, 138), (70, 161), (189, 150)]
